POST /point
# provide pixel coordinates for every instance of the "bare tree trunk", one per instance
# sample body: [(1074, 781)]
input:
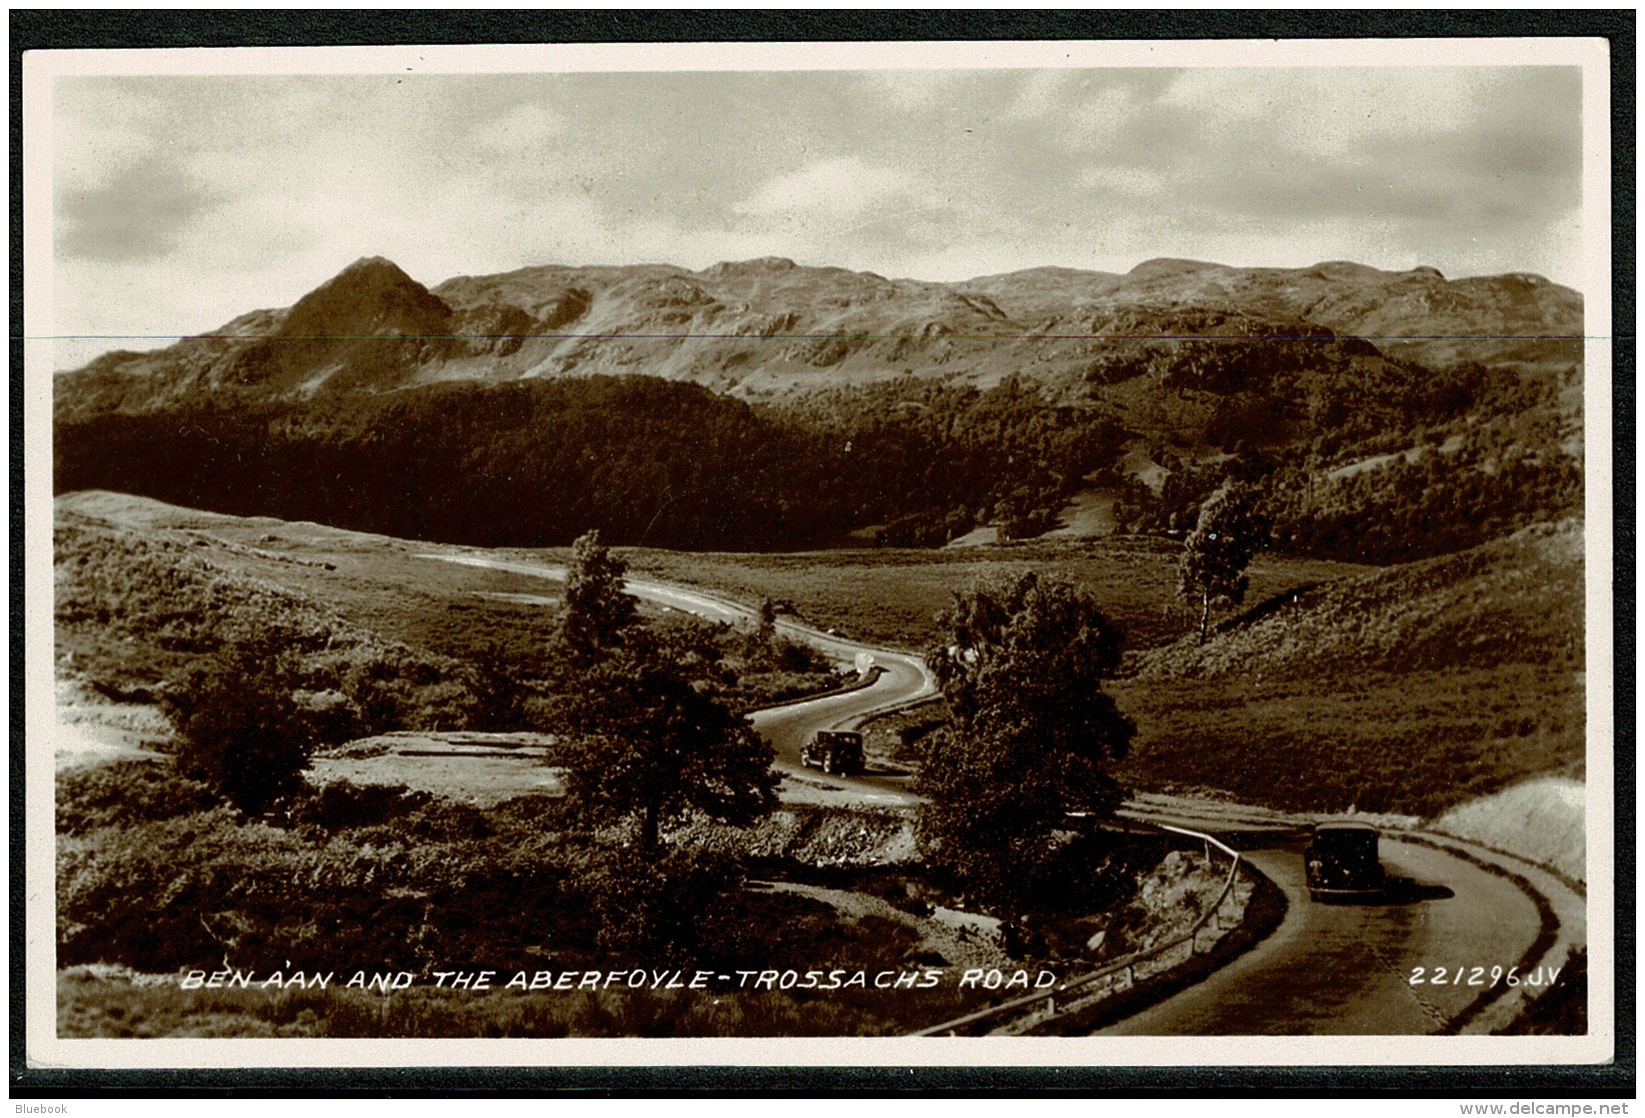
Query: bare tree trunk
[(1204, 615), (649, 829)]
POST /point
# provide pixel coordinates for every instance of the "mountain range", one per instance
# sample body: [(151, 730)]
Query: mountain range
[(773, 328)]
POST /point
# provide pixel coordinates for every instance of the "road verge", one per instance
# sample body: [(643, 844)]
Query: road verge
[(1139, 974)]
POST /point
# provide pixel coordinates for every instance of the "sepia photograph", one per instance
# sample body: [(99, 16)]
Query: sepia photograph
[(1078, 553)]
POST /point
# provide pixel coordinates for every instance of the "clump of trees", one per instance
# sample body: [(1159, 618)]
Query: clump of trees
[(1026, 760), (645, 460), (1457, 489), (765, 650), (1466, 458), (931, 459)]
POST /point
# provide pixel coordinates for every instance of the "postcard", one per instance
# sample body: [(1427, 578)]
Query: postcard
[(839, 554)]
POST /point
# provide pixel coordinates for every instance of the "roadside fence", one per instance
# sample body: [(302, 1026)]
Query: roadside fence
[(1121, 974)]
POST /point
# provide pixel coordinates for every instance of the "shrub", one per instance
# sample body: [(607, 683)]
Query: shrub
[(215, 888), (175, 866), (241, 730), (342, 803), (125, 793), (677, 904)]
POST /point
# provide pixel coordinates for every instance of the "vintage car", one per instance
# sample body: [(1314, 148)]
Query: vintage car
[(834, 751), (1343, 863)]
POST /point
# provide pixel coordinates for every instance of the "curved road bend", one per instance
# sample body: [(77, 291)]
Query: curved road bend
[(1346, 969), (1327, 969), (903, 678)]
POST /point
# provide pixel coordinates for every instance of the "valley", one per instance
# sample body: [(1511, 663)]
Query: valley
[(371, 519)]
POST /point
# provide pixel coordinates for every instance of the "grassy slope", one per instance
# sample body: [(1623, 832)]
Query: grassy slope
[(892, 596), (371, 583), (1410, 689)]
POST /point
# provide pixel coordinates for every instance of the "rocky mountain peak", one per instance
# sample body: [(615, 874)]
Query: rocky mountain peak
[(373, 264), (372, 296)]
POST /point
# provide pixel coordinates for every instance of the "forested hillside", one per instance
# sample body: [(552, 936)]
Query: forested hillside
[(646, 461)]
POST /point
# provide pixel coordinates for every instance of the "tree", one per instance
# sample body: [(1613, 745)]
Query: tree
[(1026, 757), (654, 743), (242, 730), (598, 611), (1232, 528), (760, 647)]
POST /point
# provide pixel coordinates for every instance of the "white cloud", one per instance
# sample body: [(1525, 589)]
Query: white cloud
[(843, 188), (1136, 182), (1333, 112), (520, 129), (93, 138), (1042, 93), (1102, 117), (917, 90)]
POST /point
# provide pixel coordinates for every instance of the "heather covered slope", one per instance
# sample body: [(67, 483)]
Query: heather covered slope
[(1410, 690)]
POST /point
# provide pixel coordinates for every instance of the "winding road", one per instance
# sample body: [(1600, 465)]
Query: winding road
[(1326, 969), (898, 679)]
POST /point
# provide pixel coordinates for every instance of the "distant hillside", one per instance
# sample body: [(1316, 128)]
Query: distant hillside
[(1516, 320), (1515, 600), (1409, 690), (770, 326)]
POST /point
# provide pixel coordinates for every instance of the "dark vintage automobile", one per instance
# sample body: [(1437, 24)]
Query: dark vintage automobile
[(1343, 863), (834, 751)]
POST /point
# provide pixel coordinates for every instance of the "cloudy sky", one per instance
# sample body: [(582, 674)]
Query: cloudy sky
[(180, 202)]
